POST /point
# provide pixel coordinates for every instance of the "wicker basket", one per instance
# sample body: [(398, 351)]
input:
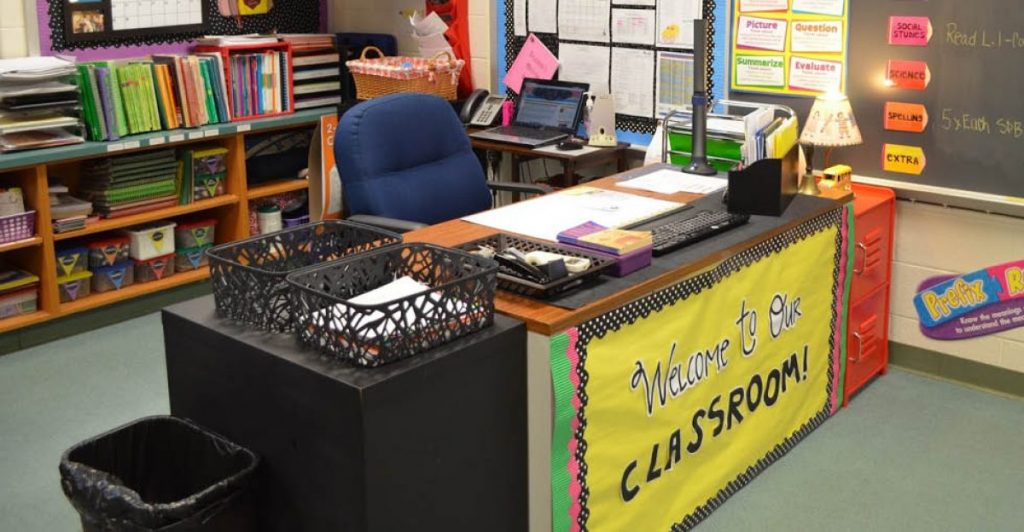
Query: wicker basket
[(381, 76)]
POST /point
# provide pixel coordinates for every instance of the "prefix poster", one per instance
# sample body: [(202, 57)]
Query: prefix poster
[(796, 48)]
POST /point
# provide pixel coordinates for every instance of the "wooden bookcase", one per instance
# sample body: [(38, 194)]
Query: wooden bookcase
[(33, 171)]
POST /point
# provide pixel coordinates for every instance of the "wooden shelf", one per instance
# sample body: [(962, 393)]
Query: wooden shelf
[(17, 322), (27, 243), (278, 187), (135, 290), (159, 214)]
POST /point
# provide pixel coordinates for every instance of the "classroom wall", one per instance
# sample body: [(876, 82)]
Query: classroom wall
[(381, 16), (13, 29), (933, 240)]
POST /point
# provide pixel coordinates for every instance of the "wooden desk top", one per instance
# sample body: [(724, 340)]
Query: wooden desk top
[(526, 151), (548, 319)]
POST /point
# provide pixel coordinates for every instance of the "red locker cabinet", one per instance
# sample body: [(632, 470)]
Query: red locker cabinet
[(867, 341)]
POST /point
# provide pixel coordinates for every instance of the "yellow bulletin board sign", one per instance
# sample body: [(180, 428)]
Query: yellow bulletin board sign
[(667, 406), (789, 47)]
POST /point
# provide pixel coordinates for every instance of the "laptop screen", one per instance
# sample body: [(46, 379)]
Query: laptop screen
[(549, 105)]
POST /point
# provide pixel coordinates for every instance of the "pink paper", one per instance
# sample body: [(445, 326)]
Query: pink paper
[(533, 61), (910, 31)]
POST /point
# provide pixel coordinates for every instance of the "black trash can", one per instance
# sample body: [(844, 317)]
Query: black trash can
[(159, 473)]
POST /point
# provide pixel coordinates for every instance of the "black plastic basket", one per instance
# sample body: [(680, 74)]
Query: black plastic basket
[(509, 282), (461, 301), (249, 275)]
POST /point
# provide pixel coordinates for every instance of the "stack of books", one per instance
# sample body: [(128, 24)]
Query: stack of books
[(130, 184), (260, 83), (166, 92), (39, 104), (316, 62), (597, 237)]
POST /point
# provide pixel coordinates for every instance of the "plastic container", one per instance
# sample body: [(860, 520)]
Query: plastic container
[(113, 277), (211, 161), (249, 275), (189, 259), (19, 302), (16, 227), (195, 233), (269, 217), (294, 220), (460, 301), (74, 286), (154, 269), (208, 187), (160, 473), (109, 251), (152, 240), (72, 260)]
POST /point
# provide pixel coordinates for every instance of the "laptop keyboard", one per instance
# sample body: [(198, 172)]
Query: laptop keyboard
[(703, 224), (527, 132)]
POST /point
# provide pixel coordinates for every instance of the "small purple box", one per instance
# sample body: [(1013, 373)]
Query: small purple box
[(623, 265)]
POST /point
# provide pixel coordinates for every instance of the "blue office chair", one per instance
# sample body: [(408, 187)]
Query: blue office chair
[(406, 162)]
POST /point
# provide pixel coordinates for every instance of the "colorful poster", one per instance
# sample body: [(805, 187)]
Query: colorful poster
[(980, 303), (712, 380), (810, 35)]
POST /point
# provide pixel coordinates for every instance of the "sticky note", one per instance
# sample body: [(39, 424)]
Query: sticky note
[(910, 31), (908, 117), (913, 75), (903, 159)]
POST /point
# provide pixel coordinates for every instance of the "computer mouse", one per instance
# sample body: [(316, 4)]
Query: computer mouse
[(569, 145)]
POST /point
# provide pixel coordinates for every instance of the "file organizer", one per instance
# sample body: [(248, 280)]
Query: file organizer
[(733, 128), (766, 187), (460, 301), (249, 275)]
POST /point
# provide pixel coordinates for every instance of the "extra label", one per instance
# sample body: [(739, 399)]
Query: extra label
[(907, 117), (903, 159), (910, 31), (912, 75)]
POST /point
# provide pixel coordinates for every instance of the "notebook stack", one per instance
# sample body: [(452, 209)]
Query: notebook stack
[(261, 82), (317, 69), (130, 184), (39, 104)]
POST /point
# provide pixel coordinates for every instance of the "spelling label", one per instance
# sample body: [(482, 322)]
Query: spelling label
[(913, 75), (903, 159), (908, 117), (910, 31)]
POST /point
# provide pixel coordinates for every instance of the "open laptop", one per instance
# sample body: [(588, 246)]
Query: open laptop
[(546, 112)]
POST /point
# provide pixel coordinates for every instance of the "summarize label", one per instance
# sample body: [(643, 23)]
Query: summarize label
[(825, 36), (908, 117), (835, 8), (761, 71), (910, 31), (815, 75), (912, 75), (762, 34), (903, 159), (750, 6)]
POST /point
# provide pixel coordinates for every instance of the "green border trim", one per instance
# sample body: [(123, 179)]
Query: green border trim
[(851, 248), (564, 390)]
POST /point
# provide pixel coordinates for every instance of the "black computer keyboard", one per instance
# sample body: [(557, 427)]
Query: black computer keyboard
[(679, 233), (526, 132)]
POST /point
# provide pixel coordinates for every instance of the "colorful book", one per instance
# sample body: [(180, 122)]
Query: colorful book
[(600, 238), (88, 103), (120, 118), (103, 82)]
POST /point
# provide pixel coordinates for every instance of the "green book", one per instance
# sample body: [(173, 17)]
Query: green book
[(126, 79), (97, 103), (149, 97), (120, 118), (158, 89), (185, 184), (210, 103), (88, 103)]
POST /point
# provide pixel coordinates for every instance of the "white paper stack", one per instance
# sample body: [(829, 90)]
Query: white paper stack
[(39, 103), (428, 33)]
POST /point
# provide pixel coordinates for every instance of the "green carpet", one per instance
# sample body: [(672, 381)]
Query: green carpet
[(910, 453)]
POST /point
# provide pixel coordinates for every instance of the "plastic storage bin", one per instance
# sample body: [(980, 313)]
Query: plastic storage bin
[(189, 259), (72, 260), (154, 269), (194, 234), (249, 276), (19, 302), (16, 227), (152, 240), (208, 187), (160, 473), (113, 277), (460, 301), (109, 251), (211, 161), (74, 286)]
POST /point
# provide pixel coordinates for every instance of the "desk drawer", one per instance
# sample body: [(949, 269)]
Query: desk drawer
[(867, 341), (872, 255)]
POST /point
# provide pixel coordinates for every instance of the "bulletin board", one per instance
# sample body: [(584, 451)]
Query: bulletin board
[(639, 50), (191, 19)]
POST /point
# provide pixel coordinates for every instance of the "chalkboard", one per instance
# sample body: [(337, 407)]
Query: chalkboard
[(974, 139)]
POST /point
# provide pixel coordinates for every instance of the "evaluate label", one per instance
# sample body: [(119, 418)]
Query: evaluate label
[(912, 75), (903, 159), (908, 117), (910, 31)]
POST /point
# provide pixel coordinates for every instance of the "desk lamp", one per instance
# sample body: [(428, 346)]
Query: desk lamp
[(830, 124)]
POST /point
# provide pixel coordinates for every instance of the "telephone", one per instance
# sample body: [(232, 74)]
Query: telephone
[(482, 109)]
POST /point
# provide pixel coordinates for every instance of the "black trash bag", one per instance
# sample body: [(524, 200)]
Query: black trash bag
[(159, 473)]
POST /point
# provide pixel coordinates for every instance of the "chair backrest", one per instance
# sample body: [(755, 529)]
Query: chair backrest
[(407, 156)]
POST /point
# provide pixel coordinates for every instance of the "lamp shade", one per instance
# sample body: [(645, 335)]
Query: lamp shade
[(831, 123)]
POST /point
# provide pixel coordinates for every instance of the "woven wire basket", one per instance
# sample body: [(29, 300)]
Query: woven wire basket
[(249, 275), (460, 301)]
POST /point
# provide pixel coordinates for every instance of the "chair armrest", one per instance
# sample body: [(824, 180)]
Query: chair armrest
[(525, 188), (392, 224)]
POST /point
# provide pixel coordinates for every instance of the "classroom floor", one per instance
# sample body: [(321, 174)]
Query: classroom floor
[(910, 453)]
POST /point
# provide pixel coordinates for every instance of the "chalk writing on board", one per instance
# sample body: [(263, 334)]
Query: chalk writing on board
[(983, 38)]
